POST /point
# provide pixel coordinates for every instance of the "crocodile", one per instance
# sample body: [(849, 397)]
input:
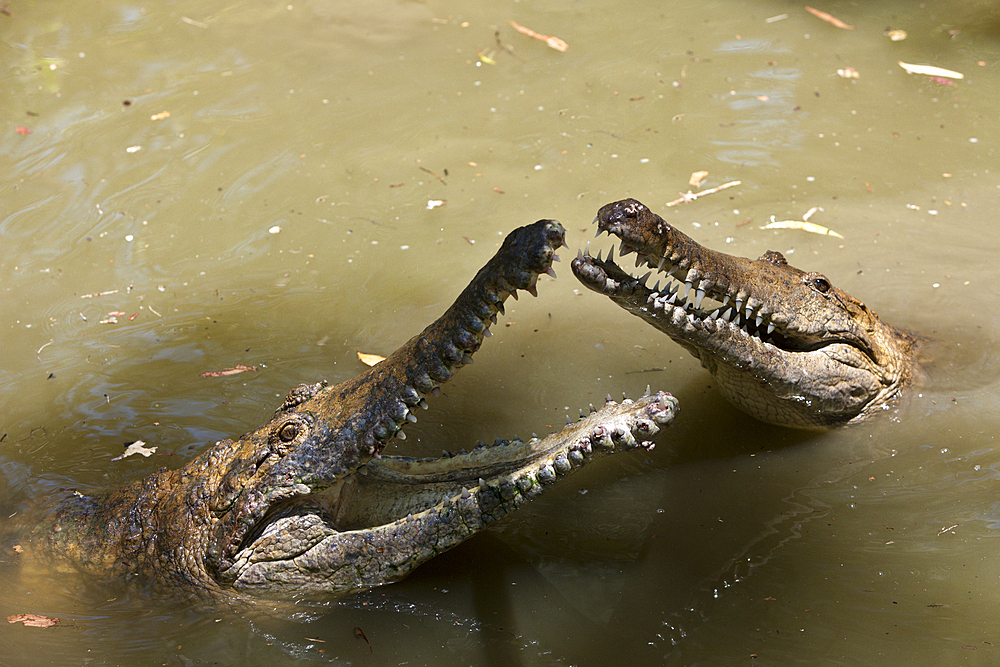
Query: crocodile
[(784, 345), (307, 506)]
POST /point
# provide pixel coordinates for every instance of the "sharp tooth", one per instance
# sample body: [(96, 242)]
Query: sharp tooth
[(770, 328), (642, 281), (657, 287), (579, 253), (739, 303), (599, 230), (639, 258), (699, 296), (760, 318), (555, 258), (599, 256), (663, 260), (687, 289), (611, 254), (749, 311)]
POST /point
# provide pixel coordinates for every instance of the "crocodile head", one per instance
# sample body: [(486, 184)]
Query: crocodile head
[(784, 345), (306, 503)]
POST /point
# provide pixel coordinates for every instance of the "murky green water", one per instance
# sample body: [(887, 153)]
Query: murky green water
[(137, 254)]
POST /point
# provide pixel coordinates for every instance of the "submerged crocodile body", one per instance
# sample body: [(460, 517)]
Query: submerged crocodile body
[(306, 504), (784, 345)]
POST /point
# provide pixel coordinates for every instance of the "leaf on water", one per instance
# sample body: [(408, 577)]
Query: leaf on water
[(136, 447), (829, 18), (553, 42), (696, 178), (369, 359), (33, 620), (930, 70), (235, 370)]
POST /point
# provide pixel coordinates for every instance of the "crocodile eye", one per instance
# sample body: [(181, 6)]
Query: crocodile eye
[(288, 432), (820, 284)]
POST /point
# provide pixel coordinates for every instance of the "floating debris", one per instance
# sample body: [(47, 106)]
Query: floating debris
[(931, 70), (553, 42), (829, 18), (369, 359)]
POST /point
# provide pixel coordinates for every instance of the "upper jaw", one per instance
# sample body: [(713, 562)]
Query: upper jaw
[(687, 311)]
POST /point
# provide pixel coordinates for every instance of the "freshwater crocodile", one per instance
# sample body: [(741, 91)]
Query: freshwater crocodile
[(306, 504), (784, 345)]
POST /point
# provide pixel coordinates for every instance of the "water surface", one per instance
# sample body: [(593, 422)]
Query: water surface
[(168, 140)]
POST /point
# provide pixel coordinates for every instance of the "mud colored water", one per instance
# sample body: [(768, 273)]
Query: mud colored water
[(168, 141)]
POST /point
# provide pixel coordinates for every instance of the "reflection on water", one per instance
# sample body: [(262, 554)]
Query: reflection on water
[(138, 254)]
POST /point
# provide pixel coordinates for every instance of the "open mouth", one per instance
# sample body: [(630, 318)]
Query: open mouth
[(682, 302)]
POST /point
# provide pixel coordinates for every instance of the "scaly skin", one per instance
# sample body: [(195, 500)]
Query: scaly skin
[(784, 345), (305, 504)]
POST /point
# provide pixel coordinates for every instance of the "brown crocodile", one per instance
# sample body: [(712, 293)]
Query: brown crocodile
[(784, 345), (307, 505)]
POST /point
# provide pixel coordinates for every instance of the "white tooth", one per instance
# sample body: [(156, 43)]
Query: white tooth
[(749, 311), (770, 328), (687, 289), (663, 260), (699, 297), (739, 303), (760, 318)]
